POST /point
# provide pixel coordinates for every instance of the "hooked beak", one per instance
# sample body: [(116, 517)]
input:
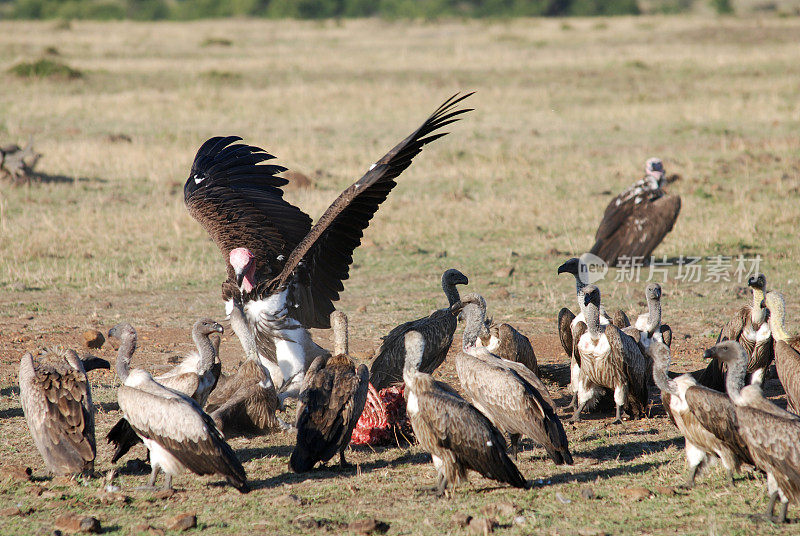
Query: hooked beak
[(710, 353), (239, 278), (456, 307), (219, 329)]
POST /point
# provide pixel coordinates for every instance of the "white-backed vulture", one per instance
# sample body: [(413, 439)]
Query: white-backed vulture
[(649, 324), (504, 341), (608, 358), (458, 436), (750, 328), (787, 359), (195, 376), (331, 401), (283, 273), (637, 220), (245, 402), (57, 402), (567, 322), (173, 427), (438, 330), (772, 435), (509, 393), (705, 417)]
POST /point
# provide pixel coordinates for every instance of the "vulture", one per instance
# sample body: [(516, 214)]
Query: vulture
[(567, 321), (772, 435), (507, 392), (750, 328), (649, 324), (283, 273), (438, 330), (458, 437), (705, 417), (331, 401), (195, 376), (787, 359), (57, 403), (244, 403), (173, 427), (637, 220), (608, 357), (503, 340)]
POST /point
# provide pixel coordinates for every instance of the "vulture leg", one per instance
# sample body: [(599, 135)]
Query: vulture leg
[(574, 402), (167, 481), (618, 419), (441, 485), (771, 507), (342, 462), (784, 510), (576, 417), (514, 444), (151, 484), (730, 477)]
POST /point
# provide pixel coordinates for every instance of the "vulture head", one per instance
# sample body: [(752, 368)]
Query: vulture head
[(241, 260), (653, 292), (591, 295), (570, 267), (454, 277), (727, 352), (759, 282), (207, 326), (654, 167)]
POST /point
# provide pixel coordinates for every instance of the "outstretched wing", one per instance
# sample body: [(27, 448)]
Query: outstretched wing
[(321, 261), (239, 202), (635, 226)]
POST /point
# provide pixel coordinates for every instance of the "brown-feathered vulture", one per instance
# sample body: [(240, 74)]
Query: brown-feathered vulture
[(173, 427), (608, 357), (749, 327), (438, 330), (333, 397), (458, 436), (283, 273), (772, 434), (637, 220), (57, 402), (787, 358), (706, 418), (509, 393), (195, 376)]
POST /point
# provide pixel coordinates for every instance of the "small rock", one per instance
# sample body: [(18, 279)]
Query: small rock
[(163, 494), (588, 494), (502, 508), (665, 490), (362, 309), (519, 520), (77, 523), (93, 339), (110, 497), (635, 493), (10, 511), (368, 526), (296, 180), (461, 519), (562, 499), (502, 294), (482, 525), (182, 522), (504, 272), (147, 529), (16, 472)]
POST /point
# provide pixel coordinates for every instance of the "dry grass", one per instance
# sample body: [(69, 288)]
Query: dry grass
[(563, 114)]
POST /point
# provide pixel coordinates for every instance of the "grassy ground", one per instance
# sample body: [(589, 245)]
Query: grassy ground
[(566, 113)]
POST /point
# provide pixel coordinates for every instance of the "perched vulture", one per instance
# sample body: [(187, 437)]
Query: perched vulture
[(333, 397), (173, 427), (57, 402), (787, 358), (750, 328), (608, 357), (438, 330), (705, 417), (637, 220), (509, 393), (283, 273), (458, 436), (195, 376)]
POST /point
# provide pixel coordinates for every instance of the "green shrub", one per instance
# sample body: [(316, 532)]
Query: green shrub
[(45, 68)]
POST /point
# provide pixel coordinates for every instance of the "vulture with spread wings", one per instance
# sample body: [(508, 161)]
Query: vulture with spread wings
[(637, 220), (284, 274)]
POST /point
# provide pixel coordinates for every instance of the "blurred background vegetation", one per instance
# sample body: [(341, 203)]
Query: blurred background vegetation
[(390, 9)]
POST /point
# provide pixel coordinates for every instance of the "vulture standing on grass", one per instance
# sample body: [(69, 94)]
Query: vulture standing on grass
[(637, 220), (333, 397), (608, 358), (705, 417), (438, 330), (458, 436), (173, 427), (244, 403), (195, 376), (509, 393), (57, 402), (567, 321), (787, 359), (649, 324), (772, 434), (750, 328), (283, 273), (504, 341)]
